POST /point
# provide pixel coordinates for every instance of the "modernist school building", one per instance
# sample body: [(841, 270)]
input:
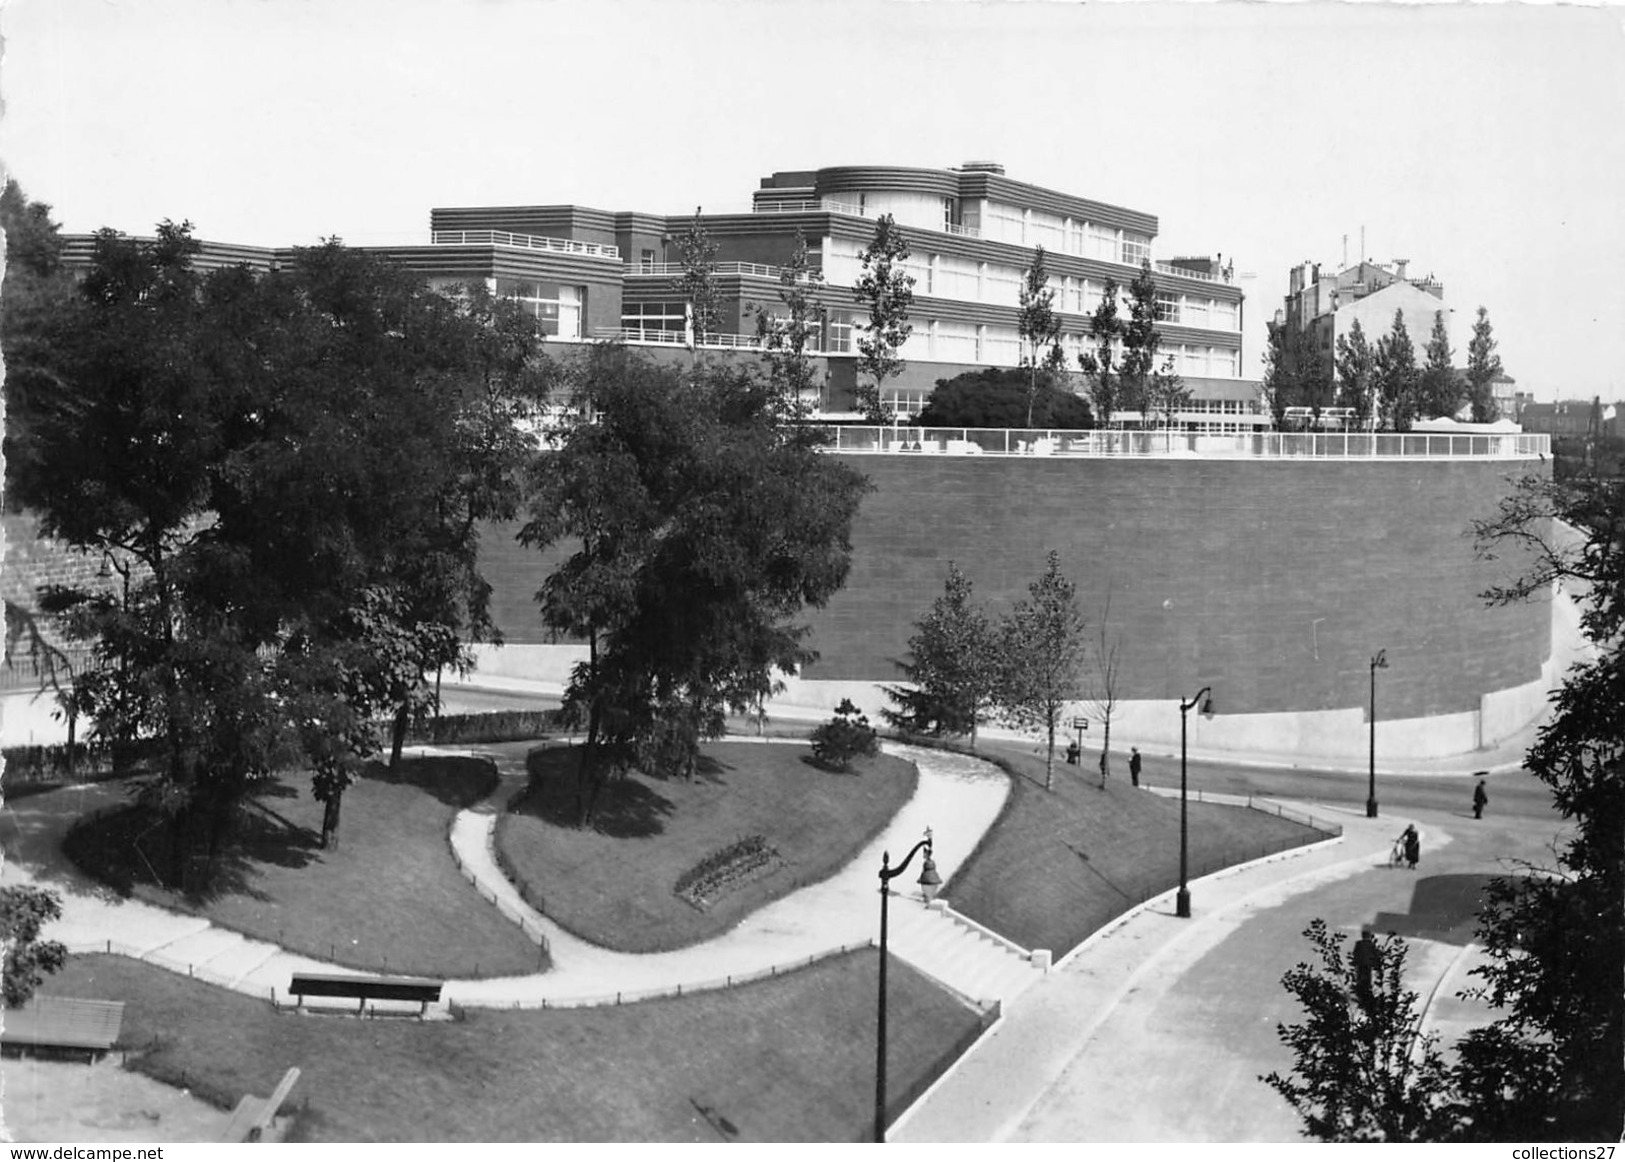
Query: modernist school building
[(591, 274)]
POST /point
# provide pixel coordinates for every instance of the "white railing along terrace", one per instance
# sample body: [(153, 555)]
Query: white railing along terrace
[(677, 269), (523, 242), (733, 341), (1213, 445)]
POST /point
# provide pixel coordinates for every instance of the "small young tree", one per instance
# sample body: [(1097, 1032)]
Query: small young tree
[(886, 290), (1105, 681), (845, 737), (786, 334), (1397, 377), (1483, 367), (1042, 653), (1279, 385), (24, 910), (1099, 369), (1166, 393), (698, 283), (953, 665), (1439, 393), (1356, 375), (1140, 341), (1038, 325), (1360, 1074)]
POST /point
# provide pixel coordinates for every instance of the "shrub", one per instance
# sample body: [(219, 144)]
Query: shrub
[(845, 737), (494, 726)]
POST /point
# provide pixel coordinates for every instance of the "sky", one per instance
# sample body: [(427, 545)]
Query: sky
[(1481, 142)]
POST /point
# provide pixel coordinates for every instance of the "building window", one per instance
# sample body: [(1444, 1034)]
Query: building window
[(1102, 243), (556, 307), (1003, 224), (1194, 312), (1136, 249), (653, 322), (947, 214), (646, 259), (1167, 307), (1224, 315)]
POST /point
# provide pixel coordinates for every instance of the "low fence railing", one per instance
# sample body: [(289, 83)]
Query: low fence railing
[(1239, 445), (523, 242)]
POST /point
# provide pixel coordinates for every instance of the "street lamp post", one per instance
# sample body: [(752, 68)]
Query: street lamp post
[(1380, 662), (1182, 901), (930, 881)]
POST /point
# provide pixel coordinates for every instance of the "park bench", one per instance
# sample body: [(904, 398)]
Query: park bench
[(85, 1026), (366, 988), (254, 1115)]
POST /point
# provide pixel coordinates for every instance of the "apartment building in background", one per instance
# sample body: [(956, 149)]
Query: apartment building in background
[(1326, 306)]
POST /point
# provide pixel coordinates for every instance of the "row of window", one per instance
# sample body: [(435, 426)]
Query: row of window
[(952, 277), (942, 341)]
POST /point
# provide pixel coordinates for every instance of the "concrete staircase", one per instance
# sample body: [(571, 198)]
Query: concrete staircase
[(959, 954)]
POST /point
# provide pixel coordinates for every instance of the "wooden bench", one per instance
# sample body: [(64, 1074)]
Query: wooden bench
[(254, 1115), (366, 988), (64, 1023)]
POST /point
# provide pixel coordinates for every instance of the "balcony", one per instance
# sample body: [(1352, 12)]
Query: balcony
[(523, 242), (676, 269)]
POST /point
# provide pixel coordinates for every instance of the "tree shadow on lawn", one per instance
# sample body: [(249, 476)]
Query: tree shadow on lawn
[(124, 847), (627, 808), (458, 781)]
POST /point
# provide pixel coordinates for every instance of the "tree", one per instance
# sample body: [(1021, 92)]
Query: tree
[(1438, 391), (996, 397), (1360, 1073), (1483, 369), (1104, 683), (1551, 1067), (1100, 373), (1042, 654), (886, 290), (845, 737), (1356, 375), (704, 524), (1279, 386), (1037, 324), (1140, 341), (32, 300), (1396, 376), (697, 285), (785, 336), (952, 668), (24, 910), (1166, 393)]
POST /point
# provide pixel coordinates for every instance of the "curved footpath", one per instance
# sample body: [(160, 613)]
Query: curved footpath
[(1155, 1028)]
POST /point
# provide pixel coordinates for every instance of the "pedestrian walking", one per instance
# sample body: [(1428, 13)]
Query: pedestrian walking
[(1134, 765), (1481, 798), (1413, 846)]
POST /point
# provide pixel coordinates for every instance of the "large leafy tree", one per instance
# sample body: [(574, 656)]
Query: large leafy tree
[(1356, 375), (1397, 377), (1483, 368), (1099, 364), (284, 470), (886, 290), (24, 911), (1360, 1073), (1438, 391), (1553, 1066), (1039, 327), (787, 334), (996, 397), (953, 666), (1043, 652), (704, 524)]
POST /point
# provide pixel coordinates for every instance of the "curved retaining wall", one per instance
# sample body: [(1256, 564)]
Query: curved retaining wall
[(1273, 581)]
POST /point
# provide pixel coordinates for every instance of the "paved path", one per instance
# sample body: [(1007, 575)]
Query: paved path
[(959, 797)]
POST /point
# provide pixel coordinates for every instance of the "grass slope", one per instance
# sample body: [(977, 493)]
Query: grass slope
[(613, 883), (786, 1059), (388, 898), (1059, 864)]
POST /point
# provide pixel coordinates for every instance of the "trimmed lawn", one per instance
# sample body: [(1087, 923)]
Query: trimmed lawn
[(783, 1060), (614, 883), (1059, 865), (388, 898)]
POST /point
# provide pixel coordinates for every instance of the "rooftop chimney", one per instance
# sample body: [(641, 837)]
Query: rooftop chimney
[(982, 167), (1399, 268)]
